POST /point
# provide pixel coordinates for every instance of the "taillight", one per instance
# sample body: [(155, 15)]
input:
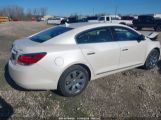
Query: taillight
[(28, 59)]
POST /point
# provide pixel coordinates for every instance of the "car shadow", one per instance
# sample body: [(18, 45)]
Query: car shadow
[(6, 110), (10, 81)]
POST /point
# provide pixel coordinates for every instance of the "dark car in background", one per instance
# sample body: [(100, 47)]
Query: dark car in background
[(75, 19), (127, 18), (92, 19), (147, 21)]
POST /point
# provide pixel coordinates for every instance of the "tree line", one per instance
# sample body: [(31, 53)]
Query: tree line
[(19, 13)]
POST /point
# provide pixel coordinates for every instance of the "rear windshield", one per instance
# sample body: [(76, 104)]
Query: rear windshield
[(49, 33)]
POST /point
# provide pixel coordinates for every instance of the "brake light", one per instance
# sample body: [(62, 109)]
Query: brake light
[(28, 59)]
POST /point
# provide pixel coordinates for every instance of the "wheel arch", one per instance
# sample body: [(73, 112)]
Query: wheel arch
[(82, 64), (152, 45), (89, 70), (156, 48)]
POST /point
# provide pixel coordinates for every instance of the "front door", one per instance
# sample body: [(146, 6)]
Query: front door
[(132, 50)]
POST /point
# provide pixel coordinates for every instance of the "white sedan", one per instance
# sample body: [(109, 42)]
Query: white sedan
[(67, 57)]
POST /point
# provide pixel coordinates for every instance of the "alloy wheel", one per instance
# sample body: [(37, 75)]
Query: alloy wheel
[(153, 59), (75, 81)]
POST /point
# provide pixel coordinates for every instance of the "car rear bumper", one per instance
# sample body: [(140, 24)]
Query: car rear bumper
[(32, 77)]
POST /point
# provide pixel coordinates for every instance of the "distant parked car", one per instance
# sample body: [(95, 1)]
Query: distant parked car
[(92, 19), (76, 20), (39, 18), (127, 18), (4, 19), (157, 15), (115, 19), (33, 18), (15, 19), (83, 19), (55, 21), (147, 21), (72, 20), (68, 57)]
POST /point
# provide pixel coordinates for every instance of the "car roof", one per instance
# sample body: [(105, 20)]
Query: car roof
[(78, 28), (86, 24)]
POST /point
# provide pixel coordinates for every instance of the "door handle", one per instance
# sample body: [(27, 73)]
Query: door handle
[(91, 53), (125, 49)]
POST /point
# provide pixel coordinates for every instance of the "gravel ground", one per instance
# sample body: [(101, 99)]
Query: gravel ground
[(132, 94)]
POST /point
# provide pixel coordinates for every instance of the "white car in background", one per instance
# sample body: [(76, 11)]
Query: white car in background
[(115, 20), (68, 57), (56, 21)]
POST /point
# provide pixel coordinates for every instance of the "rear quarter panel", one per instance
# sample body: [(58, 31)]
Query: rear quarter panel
[(61, 57)]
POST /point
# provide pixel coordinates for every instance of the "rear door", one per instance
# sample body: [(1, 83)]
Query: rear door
[(100, 50), (132, 51)]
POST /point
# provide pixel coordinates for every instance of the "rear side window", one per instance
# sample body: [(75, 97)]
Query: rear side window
[(49, 33), (124, 34), (95, 36)]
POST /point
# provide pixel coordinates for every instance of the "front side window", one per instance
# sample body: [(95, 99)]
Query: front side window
[(49, 33), (95, 36), (125, 34)]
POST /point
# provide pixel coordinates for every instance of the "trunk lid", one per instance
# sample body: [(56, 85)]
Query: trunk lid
[(22, 44), (19, 47)]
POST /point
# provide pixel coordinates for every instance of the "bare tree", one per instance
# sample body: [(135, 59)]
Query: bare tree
[(12, 12), (35, 12), (17, 12), (43, 11), (28, 14)]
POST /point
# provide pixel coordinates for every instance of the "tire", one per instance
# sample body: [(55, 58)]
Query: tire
[(73, 81), (152, 59), (158, 28)]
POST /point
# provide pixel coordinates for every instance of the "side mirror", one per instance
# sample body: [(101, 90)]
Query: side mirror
[(153, 36), (141, 38)]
